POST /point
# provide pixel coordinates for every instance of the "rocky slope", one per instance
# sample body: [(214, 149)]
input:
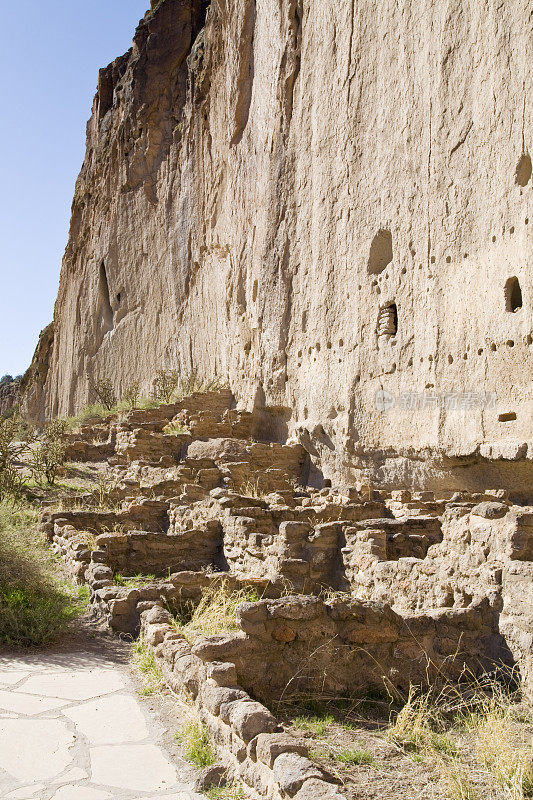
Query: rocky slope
[(318, 202)]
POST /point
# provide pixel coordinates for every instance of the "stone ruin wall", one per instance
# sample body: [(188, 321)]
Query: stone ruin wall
[(317, 201), (359, 589), (184, 513)]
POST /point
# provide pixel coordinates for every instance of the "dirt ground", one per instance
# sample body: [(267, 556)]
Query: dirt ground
[(356, 746)]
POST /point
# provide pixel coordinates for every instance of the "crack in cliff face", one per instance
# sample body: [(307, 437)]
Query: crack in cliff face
[(245, 75), (292, 58)]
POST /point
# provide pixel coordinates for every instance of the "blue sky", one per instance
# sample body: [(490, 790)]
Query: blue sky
[(49, 60)]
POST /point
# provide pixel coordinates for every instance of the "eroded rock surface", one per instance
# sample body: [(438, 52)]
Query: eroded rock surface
[(318, 202)]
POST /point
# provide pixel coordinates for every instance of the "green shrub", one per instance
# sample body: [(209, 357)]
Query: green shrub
[(196, 743), (48, 456), (105, 393), (132, 395), (36, 606), (165, 385), (12, 451)]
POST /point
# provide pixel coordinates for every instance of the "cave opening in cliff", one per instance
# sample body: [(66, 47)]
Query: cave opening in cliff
[(380, 252), (513, 295)]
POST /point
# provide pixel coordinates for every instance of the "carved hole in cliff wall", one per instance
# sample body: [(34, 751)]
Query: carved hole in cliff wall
[(510, 416), (380, 252), (523, 170), (513, 295), (388, 320), (106, 312)]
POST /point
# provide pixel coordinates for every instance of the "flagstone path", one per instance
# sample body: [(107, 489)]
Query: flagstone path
[(72, 727)]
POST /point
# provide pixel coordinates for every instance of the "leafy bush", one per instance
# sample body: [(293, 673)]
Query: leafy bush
[(48, 456), (12, 450), (105, 393), (166, 384), (132, 395)]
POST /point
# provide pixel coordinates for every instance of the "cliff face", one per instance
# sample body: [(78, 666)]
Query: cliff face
[(9, 394), (318, 201), (33, 386)]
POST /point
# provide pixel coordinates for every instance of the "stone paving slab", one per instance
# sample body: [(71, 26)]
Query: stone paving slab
[(72, 727)]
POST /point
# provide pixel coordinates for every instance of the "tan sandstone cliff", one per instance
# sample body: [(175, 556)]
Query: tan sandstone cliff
[(318, 200)]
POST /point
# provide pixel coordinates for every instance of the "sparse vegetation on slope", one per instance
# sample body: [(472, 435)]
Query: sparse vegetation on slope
[(36, 605), (470, 741), (47, 457)]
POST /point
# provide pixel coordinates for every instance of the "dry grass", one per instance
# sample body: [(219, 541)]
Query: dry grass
[(490, 716), (104, 492), (133, 581), (67, 504), (494, 726), (88, 538), (458, 784), (93, 411), (465, 741), (214, 614), (252, 489), (98, 411)]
